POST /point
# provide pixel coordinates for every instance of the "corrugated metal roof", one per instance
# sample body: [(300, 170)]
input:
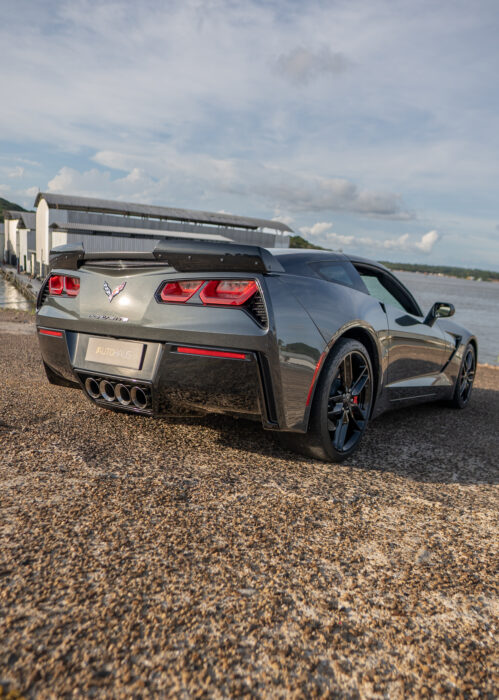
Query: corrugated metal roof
[(27, 220), (13, 213), (63, 201), (129, 230)]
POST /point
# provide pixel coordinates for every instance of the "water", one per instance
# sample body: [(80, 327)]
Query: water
[(477, 306), (11, 298)]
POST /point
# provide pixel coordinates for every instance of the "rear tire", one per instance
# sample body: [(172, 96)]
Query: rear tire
[(465, 379), (341, 407)]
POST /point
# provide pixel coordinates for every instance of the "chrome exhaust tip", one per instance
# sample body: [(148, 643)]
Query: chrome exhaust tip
[(107, 390), (92, 387), (139, 397), (122, 394)]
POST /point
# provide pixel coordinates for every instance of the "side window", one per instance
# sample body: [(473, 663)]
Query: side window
[(339, 272), (382, 287)]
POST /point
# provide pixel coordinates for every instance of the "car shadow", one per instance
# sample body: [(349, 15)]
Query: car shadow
[(430, 442)]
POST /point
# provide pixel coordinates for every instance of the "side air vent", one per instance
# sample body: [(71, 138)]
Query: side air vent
[(42, 294), (256, 307)]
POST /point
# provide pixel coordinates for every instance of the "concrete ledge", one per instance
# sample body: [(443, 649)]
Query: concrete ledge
[(28, 286)]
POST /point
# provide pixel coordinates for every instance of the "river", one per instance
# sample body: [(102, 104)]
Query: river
[(11, 298)]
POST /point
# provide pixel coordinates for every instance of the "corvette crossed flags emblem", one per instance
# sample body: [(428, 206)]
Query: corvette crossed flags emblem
[(112, 293)]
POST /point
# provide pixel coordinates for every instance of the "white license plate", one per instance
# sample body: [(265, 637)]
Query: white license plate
[(120, 353)]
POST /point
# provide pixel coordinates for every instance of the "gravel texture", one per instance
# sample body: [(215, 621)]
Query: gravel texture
[(196, 558)]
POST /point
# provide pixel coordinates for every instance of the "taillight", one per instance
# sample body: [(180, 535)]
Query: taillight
[(56, 284), (228, 292), (180, 291), (72, 285), (62, 284)]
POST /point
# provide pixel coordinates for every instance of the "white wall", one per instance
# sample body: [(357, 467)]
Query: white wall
[(42, 232), (58, 238), (22, 239), (10, 237)]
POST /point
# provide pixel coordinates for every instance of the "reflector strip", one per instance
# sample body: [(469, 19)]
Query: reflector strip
[(312, 384), (55, 334), (212, 353)]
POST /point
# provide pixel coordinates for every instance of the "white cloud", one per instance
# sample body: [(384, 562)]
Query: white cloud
[(31, 192), (317, 229), (323, 235), (301, 65), (17, 172), (96, 183), (427, 241)]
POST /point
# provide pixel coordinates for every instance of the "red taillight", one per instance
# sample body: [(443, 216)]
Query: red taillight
[(54, 334), (72, 285), (228, 292), (212, 353), (56, 284), (180, 291), (62, 284)]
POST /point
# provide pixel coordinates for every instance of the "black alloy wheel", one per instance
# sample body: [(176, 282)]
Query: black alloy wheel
[(465, 379), (341, 407), (349, 401)]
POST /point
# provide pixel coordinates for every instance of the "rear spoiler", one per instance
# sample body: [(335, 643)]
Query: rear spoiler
[(184, 256)]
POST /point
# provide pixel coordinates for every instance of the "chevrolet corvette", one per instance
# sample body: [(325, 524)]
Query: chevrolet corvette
[(314, 344)]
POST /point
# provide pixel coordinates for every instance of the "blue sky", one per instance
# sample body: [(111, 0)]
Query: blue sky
[(368, 125)]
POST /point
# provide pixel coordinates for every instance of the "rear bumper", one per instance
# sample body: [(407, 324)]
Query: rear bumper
[(173, 376)]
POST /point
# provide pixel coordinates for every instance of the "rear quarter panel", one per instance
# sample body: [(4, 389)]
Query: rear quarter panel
[(310, 315)]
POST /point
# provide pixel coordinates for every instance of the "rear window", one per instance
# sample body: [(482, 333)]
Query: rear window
[(339, 272)]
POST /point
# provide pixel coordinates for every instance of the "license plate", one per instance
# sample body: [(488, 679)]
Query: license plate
[(120, 353)]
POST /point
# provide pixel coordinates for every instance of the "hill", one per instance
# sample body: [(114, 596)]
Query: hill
[(300, 242), (5, 204)]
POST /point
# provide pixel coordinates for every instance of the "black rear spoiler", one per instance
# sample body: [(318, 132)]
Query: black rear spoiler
[(184, 256), (215, 256)]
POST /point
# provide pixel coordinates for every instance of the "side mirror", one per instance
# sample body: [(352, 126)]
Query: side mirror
[(440, 309)]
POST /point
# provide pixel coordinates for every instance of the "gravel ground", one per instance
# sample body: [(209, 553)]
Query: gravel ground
[(194, 557)]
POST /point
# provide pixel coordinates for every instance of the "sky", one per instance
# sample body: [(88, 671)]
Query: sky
[(370, 126)]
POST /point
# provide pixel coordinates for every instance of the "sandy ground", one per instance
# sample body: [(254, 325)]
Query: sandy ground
[(196, 558)]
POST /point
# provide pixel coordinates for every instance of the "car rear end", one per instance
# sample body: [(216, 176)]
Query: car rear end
[(140, 335)]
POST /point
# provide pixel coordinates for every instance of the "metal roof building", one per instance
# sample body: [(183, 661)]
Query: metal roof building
[(19, 239), (102, 224)]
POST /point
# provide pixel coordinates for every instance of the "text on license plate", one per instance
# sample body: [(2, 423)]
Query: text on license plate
[(120, 353)]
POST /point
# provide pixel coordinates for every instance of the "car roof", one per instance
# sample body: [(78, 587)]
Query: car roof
[(310, 254), (302, 254), (366, 261)]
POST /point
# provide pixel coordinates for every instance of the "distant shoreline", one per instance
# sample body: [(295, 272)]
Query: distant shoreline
[(464, 273)]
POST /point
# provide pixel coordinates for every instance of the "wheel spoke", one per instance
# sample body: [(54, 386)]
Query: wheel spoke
[(341, 432), (359, 411), (347, 372), (355, 423), (360, 383), (335, 411), (469, 361)]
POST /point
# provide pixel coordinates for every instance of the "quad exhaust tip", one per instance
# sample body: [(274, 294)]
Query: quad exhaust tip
[(139, 397), (127, 396), (107, 390), (122, 394), (92, 387)]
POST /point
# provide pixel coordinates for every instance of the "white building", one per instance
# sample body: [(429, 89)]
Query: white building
[(102, 225), (18, 244), (26, 242)]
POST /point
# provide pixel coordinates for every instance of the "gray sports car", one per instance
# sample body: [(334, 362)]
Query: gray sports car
[(312, 343)]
